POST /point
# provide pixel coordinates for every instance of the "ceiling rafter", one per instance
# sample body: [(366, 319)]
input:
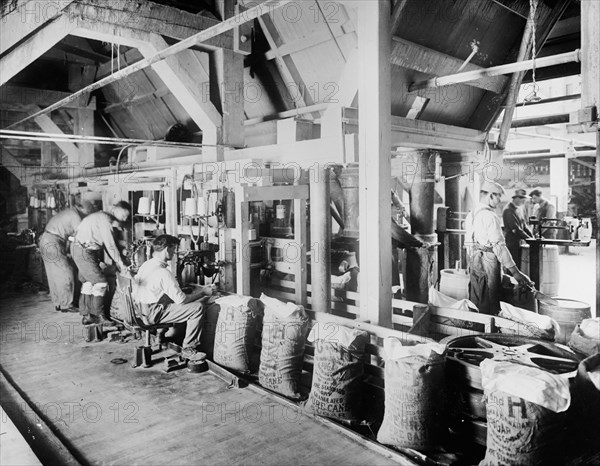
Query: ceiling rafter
[(149, 16)]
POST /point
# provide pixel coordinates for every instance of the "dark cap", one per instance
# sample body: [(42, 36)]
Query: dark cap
[(521, 193)]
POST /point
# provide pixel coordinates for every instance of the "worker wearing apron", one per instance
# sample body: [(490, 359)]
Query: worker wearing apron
[(93, 239), (60, 268), (488, 252)]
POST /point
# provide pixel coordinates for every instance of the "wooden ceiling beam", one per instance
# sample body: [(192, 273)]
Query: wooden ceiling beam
[(151, 17), (15, 97), (415, 57), (186, 86), (48, 126), (296, 87), (33, 47), (21, 18), (13, 164)]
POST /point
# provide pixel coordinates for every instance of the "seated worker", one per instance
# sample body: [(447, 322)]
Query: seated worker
[(161, 298)]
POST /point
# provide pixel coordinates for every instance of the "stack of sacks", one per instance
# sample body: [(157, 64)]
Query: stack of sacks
[(585, 338), (528, 323), (283, 340), (437, 299)]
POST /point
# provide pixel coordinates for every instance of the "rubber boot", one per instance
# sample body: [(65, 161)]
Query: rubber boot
[(97, 309)]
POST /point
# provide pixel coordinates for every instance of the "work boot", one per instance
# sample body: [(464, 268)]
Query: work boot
[(84, 304), (103, 320), (191, 354), (90, 319), (70, 309)]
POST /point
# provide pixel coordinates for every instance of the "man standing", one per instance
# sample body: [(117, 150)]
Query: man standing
[(488, 251), (162, 300), (60, 269), (94, 237), (515, 225), (545, 209)]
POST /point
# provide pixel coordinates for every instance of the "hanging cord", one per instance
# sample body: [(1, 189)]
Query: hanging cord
[(195, 239)]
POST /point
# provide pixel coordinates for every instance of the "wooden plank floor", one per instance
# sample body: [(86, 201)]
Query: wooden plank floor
[(114, 414)]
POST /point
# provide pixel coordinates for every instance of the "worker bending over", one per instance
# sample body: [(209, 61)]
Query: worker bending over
[(93, 239), (60, 268), (487, 251), (162, 300)]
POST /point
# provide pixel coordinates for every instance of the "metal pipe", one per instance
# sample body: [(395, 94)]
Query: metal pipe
[(525, 65), (287, 114), (320, 232), (52, 137), (551, 99), (266, 7), (419, 262), (540, 121), (548, 155), (556, 138)]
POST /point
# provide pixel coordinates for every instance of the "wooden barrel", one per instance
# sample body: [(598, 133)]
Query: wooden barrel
[(568, 314), (454, 283), (550, 272)]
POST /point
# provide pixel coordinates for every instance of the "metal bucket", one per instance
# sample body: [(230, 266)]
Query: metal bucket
[(568, 314)]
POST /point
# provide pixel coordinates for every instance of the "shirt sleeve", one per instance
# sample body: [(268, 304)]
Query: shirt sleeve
[(171, 288), (107, 238), (496, 240)]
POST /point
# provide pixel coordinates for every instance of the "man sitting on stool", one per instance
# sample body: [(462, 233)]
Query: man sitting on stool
[(162, 300)]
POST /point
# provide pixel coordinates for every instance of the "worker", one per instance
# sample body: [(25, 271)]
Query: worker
[(60, 269), (515, 224), (488, 251), (544, 209), (94, 239), (162, 300)]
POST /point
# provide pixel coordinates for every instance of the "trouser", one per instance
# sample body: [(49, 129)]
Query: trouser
[(60, 270), (94, 283), (190, 313), (485, 282), (514, 247)]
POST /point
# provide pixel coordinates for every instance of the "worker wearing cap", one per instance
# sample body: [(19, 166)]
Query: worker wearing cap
[(95, 238), (60, 268), (487, 251), (515, 224)]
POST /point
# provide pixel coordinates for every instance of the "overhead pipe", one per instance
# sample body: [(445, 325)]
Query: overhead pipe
[(559, 59), (540, 121), (266, 7)]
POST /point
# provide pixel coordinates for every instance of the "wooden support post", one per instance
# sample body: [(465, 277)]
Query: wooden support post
[(451, 168), (320, 237), (46, 153), (374, 39), (590, 97), (230, 81), (300, 239), (559, 183), (84, 126)]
